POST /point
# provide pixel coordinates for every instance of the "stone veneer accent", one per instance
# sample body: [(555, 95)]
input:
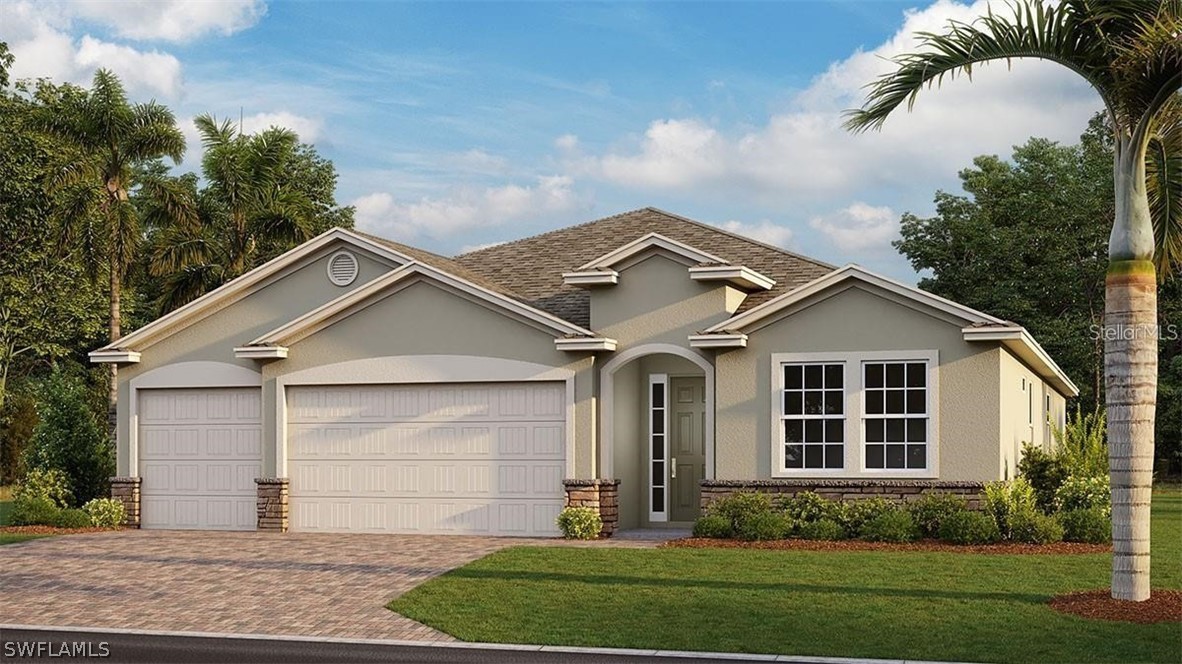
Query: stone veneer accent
[(899, 490), (602, 495), (127, 491), (272, 503)]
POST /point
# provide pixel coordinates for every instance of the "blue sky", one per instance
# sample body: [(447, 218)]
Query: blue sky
[(455, 125)]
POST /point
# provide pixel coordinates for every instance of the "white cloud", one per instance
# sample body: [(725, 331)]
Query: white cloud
[(138, 70), (309, 129), (764, 231), (170, 20), (464, 208), (802, 151), (467, 248), (858, 227), (567, 142)]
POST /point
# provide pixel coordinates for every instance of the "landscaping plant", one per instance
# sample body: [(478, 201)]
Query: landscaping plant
[(1081, 493), (68, 438), (714, 526), (580, 523), (825, 529), (105, 512), (765, 526), (932, 509), (1034, 527), (1008, 502), (48, 484), (970, 528), (895, 525), (740, 507), (1045, 471), (1092, 526)]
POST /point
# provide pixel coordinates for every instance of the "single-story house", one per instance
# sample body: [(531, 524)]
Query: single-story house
[(640, 364)]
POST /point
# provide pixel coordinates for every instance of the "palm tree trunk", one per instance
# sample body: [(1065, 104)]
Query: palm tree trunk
[(116, 284)]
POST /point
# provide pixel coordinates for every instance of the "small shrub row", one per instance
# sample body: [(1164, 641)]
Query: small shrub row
[(34, 510)]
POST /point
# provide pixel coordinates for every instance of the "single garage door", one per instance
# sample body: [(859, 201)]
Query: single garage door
[(483, 458), (200, 452)]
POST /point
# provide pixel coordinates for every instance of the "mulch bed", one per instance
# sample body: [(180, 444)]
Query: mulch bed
[(1163, 606), (1008, 548), (48, 530)]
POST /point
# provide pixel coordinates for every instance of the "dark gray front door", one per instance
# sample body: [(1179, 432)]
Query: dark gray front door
[(687, 446)]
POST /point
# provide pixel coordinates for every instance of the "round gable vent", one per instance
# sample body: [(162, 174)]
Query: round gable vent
[(342, 268)]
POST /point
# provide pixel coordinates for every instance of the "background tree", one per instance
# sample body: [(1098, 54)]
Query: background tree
[(108, 137), (1130, 53)]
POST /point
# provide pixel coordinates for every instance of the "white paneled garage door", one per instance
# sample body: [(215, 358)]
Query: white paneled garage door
[(200, 452), (484, 458)]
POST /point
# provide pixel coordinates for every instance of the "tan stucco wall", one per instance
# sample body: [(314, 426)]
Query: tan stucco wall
[(630, 401), (214, 337), (427, 319), (1018, 424), (853, 320), (656, 301)]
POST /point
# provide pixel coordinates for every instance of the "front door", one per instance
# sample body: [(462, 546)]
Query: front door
[(687, 447)]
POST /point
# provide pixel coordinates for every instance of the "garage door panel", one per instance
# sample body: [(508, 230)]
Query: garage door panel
[(426, 516), (403, 441), (443, 403)]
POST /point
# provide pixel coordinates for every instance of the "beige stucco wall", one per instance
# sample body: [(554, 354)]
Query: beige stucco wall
[(214, 337), (861, 318), (428, 319), (1022, 391), (630, 401)]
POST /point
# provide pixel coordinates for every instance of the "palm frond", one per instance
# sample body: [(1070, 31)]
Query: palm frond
[(154, 133), (1163, 179)]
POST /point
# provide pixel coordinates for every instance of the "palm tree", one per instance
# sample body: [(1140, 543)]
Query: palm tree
[(246, 208), (1130, 52), (109, 137), (1163, 172)]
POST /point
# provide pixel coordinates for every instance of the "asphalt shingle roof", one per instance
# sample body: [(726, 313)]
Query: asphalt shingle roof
[(530, 269)]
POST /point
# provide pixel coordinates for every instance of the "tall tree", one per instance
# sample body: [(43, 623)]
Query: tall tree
[(265, 193), (1129, 51), (109, 137)]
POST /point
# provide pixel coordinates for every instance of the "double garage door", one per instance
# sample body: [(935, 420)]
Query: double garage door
[(481, 458)]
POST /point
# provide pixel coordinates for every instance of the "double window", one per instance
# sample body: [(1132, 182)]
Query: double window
[(878, 401)]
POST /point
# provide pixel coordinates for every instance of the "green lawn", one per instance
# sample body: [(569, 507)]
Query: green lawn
[(938, 606)]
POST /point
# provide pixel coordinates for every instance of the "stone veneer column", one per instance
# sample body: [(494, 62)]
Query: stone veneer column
[(127, 491), (600, 495), (272, 504)]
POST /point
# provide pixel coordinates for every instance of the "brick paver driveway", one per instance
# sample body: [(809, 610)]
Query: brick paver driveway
[(261, 583)]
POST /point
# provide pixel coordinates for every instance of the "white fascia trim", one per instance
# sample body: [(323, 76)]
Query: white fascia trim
[(261, 352), (739, 275), (852, 271), (643, 244), (718, 340), (585, 344), (248, 283), (114, 356), (591, 278), (1019, 341)]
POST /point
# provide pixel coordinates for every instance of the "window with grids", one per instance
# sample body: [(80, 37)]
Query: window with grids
[(895, 417), (813, 416)]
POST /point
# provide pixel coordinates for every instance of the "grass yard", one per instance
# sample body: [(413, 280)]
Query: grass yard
[(935, 606)]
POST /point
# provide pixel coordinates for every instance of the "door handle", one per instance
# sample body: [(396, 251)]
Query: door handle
[(673, 468)]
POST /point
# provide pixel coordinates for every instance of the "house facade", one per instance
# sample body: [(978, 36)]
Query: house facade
[(641, 364)]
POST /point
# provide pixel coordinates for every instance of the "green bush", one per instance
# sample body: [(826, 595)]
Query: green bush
[(1081, 445), (822, 529), (931, 510), (580, 523), (1081, 493), (805, 507), (50, 484), (105, 512), (1045, 472), (1092, 526), (895, 525), (1007, 501), (765, 526), (1035, 528), (69, 438), (969, 528), (32, 510), (854, 514), (739, 508), (71, 518), (18, 420), (714, 526)]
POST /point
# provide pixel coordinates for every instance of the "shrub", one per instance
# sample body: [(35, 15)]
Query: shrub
[(969, 528), (821, 529), (1036, 528), (1007, 501), (1081, 493), (805, 507), (713, 525), (18, 420), (1092, 526), (765, 526), (931, 510), (105, 512), (1081, 445), (739, 508), (32, 510), (51, 484), (1045, 472), (892, 526), (579, 523), (71, 518), (854, 514), (69, 438)]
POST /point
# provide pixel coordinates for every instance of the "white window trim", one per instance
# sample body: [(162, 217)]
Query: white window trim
[(855, 458), (653, 514)]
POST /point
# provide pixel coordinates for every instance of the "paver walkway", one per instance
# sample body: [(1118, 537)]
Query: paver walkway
[(312, 584)]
